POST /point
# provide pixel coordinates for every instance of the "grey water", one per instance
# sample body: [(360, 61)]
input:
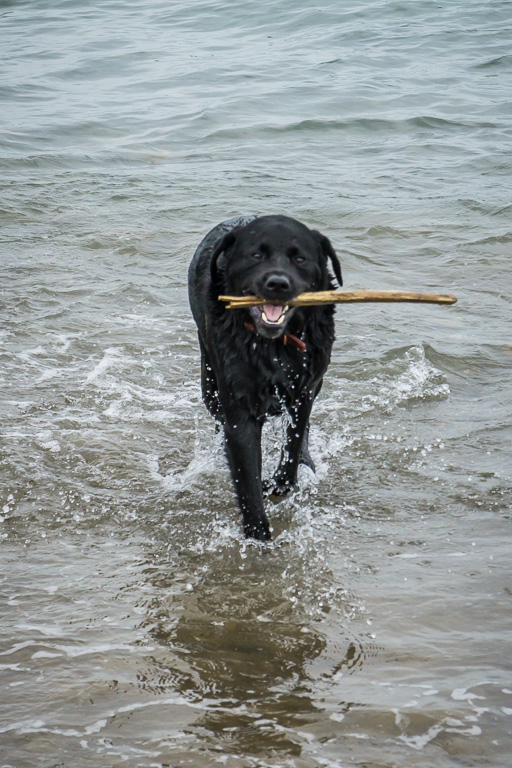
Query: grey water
[(138, 627)]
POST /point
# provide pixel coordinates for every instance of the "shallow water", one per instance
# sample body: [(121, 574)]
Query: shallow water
[(138, 627)]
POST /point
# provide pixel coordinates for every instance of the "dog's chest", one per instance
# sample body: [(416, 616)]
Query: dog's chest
[(276, 380)]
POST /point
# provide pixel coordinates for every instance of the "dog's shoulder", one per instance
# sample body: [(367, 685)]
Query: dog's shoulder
[(203, 254), (199, 272)]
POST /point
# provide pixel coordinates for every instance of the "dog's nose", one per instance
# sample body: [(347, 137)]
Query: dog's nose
[(276, 283)]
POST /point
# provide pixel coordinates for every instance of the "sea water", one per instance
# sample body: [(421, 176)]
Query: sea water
[(138, 627)]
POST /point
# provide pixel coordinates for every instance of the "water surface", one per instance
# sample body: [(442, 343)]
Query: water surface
[(138, 627)]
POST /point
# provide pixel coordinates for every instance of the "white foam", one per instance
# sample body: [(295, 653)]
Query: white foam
[(26, 726), (462, 694), (111, 358), (50, 445), (421, 740), (208, 459), (417, 380)]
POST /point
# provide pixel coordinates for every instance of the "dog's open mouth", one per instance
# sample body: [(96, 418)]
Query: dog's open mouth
[(273, 314), (270, 319)]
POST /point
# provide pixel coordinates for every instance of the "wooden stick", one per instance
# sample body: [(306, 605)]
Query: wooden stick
[(336, 297)]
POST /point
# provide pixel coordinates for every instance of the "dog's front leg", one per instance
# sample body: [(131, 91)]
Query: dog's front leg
[(243, 448), (295, 450)]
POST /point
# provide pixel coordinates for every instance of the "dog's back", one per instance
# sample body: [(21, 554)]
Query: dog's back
[(199, 272)]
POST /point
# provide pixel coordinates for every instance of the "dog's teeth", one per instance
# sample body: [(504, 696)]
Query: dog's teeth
[(281, 319)]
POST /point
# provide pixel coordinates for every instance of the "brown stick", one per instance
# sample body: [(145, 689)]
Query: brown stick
[(336, 297)]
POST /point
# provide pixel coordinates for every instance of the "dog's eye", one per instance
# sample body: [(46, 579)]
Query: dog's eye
[(257, 256), (298, 259)]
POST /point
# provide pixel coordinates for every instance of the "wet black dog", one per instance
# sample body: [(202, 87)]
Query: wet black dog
[(256, 362)]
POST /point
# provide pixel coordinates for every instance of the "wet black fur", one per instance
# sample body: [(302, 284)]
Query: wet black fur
[(245, 377)]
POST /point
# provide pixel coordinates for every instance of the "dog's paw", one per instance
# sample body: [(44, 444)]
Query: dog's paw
[(258, 530), (277, 488)]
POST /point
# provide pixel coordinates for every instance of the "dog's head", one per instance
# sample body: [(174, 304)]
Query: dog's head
[(275, 258)]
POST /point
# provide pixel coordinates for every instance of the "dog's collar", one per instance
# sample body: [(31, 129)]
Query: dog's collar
[(288, 338)]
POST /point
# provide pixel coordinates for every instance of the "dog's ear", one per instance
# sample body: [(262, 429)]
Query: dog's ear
[(222, 247), (329, 253)]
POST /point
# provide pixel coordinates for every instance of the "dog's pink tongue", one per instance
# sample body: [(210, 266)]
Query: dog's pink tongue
[(272, 312)]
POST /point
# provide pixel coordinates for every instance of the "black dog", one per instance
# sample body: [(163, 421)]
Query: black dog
[(256, 362)]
